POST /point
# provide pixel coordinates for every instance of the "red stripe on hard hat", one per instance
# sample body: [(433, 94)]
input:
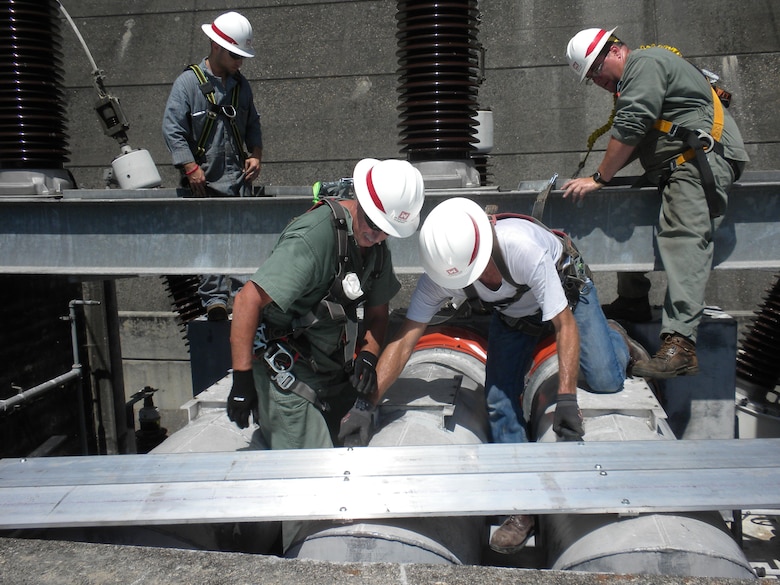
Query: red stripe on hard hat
[(476, 241), (372, 191), (595, 42), (223, 35)]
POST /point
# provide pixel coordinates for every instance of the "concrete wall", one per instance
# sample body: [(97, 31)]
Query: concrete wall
[(326, 74)]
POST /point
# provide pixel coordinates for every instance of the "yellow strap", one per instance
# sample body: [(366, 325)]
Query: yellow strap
[(716, 132), (717, 123), (202, 79)]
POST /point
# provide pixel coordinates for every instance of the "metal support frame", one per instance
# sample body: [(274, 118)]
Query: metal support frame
[(128, 233)]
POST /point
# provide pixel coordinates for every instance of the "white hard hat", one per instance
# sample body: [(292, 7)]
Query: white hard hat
[(233, 32), (391, 193), (584, 47), (456, 241)]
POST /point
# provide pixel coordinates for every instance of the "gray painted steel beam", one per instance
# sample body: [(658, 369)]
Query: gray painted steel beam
[(121, 233), (389, 482)]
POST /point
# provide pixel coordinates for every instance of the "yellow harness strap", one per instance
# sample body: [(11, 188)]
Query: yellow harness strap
[(716, 132)]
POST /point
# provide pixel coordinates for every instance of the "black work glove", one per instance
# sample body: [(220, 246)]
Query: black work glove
[(357, 425), (242, 399), (363, 377), (568, 418)]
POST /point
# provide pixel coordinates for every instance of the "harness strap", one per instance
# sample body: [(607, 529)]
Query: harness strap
[(335, 307), (698, 150), (207, 89), (304, 391), (569, 264)]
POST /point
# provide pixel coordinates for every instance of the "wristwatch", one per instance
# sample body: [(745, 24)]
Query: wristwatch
[(597, 177)]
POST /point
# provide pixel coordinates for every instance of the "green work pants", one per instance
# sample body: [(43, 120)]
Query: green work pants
[(685, 243)]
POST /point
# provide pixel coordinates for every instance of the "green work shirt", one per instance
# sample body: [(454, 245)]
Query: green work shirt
[(660, 85), (299, 274)]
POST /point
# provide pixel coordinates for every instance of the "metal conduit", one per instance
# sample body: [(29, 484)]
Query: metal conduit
[(18, 399)]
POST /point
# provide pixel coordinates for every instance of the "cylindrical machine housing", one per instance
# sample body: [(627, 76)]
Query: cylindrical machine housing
[(438, 400)]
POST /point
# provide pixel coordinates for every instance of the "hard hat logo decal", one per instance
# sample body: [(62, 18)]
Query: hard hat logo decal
[(372, 191), (403, 216), (453, 271)]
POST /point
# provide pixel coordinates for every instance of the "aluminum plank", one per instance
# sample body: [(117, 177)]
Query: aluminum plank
[(429, 460), (376, 497), (388, 461), (370, 483)]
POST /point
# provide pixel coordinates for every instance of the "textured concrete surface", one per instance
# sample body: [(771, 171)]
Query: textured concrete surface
[(25, 562), (326, 75)]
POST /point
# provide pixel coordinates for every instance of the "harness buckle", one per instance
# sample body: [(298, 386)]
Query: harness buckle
[(228, 111), (707, 138), (284, 380), (279, 359)]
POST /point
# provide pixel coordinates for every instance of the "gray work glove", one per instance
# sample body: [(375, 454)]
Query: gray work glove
[(568, 418), (242, 399), (357, 425), (363, 377)]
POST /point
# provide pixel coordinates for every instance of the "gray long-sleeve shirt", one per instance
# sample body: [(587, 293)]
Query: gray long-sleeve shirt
[(657, 84), (185, 116)]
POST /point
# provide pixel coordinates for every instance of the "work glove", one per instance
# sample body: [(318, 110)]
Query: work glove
[(357, 425), (568, 418), (242, 398), (363, 377)]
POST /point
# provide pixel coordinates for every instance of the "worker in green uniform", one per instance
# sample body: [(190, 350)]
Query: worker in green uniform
[(294, 330), (668, 115), (302, 361)]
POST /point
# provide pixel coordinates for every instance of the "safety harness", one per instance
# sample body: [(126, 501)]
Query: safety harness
[(571, 267), (700, 143), (214, 110), (280, 348)]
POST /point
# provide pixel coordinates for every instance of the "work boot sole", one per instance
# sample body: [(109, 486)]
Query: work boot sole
[(508, 550), (642, 372)]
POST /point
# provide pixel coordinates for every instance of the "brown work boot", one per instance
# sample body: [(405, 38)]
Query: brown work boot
[(512, 535), (636, 353), (676, 357)]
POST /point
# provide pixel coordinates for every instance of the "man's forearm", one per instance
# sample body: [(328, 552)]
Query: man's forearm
[(395, 355)]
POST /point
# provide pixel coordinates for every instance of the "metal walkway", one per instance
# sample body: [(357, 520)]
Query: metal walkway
[(344, 484)]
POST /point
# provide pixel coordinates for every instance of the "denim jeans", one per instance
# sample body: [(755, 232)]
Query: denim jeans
[(218, 288), (603, 360)]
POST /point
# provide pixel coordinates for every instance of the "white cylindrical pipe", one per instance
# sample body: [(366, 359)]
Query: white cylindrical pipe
[(679, 544), (439, 400)]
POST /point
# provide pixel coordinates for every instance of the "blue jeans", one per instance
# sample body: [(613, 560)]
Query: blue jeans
[(218, 288), (603, 360)]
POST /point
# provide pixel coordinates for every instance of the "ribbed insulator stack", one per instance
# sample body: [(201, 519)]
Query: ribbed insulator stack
[(183, 291), (438, 56), (757, 358), (32, 115)]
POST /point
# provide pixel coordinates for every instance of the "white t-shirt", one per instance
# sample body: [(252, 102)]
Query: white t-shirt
[(530, 252)]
